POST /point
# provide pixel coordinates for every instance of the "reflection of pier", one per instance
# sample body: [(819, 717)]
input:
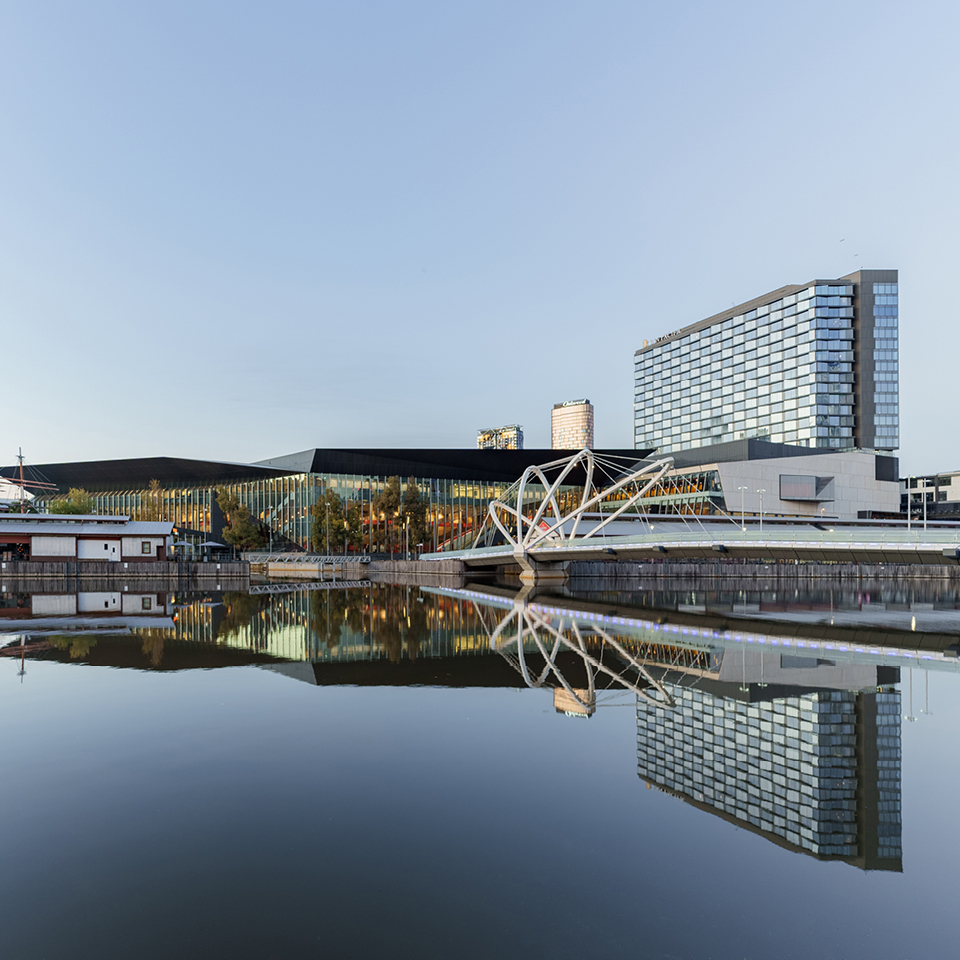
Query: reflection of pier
[(276, 589)]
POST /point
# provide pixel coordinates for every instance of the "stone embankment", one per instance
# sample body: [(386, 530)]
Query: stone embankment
[(182, 573)]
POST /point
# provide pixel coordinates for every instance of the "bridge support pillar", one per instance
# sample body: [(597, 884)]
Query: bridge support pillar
[(533, 571)]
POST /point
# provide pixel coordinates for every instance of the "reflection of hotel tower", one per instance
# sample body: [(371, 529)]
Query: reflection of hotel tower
[(816, 772)]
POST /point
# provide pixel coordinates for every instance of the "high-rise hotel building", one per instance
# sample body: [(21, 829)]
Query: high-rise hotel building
[(815, 365)]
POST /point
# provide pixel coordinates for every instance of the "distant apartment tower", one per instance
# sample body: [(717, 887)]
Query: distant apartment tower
[(509, 437), (815, 365), (571, 425)]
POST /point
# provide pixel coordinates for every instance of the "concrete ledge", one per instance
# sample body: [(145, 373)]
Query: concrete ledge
[(165, 570), (312, 571), (449, 568), (757, 570)]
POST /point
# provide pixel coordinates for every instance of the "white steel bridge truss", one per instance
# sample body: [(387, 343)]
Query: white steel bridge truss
[(525, 525)]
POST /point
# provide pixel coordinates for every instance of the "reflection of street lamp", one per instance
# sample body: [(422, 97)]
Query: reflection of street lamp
[(761, 492), (743, 522), (926, 694), (910, 717)]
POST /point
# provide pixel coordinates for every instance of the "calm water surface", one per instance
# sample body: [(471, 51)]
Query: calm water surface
[(392, 771)]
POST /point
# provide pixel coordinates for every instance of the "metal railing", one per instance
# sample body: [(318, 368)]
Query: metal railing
[(309, 558)]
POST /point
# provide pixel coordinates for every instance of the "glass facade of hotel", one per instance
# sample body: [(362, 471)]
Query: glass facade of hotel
[(819, 771), (816, 366)]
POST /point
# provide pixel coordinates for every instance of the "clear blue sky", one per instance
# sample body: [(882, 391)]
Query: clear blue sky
[(235, 230)]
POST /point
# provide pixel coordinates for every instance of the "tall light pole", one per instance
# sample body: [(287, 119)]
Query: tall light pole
[(924, 495), (761, 492), (743, 522), (326, 544), (909, 504)]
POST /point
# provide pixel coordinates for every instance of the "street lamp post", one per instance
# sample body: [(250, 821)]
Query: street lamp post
[(761, 492), (743, 522)]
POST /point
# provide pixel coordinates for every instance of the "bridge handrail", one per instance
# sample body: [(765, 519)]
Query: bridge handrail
[(753, 536), (336, 559)]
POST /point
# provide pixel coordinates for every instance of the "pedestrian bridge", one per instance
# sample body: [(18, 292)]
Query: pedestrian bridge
[(584, 507)]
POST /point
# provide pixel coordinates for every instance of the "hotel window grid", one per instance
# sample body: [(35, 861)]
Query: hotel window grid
[(783, 371), (798, 768)]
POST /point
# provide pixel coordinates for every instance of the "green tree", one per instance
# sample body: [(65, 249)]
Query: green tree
[(241, 530), (77, 646), (77, 501), (332, 610), (386, 505), (355, 526), (329, 526), (22, 506), (415, 513), (152, 504), (240, 610)]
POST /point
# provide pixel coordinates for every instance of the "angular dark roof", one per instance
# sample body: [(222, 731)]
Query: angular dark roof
[(434, 463), (438, 464), (736, 450), (136, 474)]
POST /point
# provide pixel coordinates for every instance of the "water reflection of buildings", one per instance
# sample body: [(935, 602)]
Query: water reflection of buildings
[(758, 729), (816, 771), (377, 621), (795, 736)]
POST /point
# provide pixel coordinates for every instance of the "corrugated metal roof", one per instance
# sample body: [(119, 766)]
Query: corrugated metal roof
[(135, 528), (67, 517)]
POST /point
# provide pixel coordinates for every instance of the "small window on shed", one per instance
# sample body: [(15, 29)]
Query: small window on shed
[(146, 546), (146, 603)]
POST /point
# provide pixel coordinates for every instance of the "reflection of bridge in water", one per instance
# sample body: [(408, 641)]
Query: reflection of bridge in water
[(786, 727), (795, 739), (525, 634)]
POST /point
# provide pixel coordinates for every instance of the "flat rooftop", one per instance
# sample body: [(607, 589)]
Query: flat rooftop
[(779, 293)]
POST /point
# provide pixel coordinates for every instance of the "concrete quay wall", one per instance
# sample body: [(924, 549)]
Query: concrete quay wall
[(757, 570), (160, 571)]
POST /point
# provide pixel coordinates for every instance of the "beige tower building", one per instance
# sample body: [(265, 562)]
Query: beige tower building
[(572, 425)]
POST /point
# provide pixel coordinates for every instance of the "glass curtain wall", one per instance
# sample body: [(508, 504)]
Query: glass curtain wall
[(781, 372), (886, 355), (282, 505)]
